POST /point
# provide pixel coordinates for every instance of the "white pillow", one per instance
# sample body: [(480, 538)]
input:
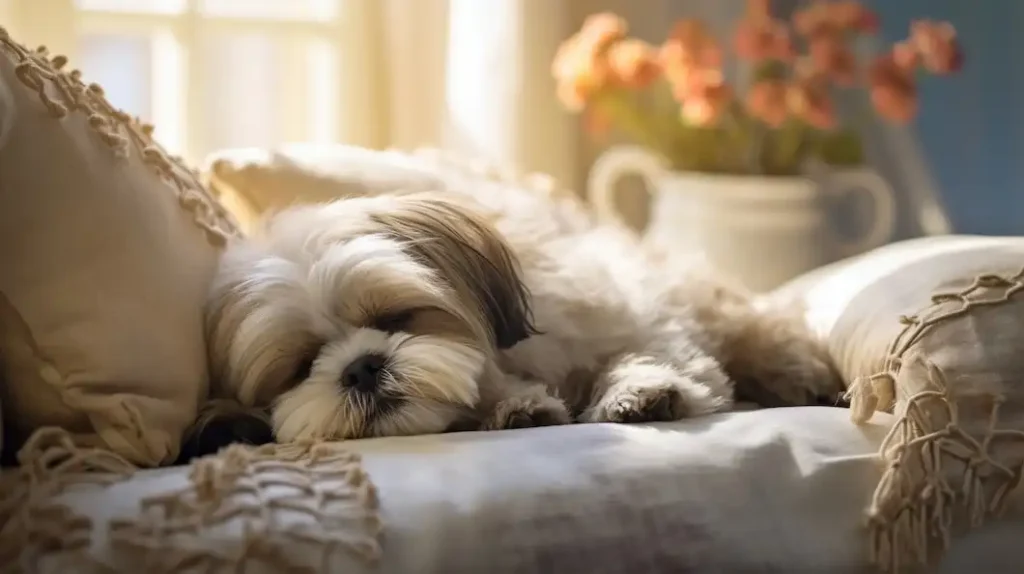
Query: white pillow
[(932, 330)]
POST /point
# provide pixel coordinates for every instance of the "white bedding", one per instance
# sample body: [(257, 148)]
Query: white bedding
[(779, 490)]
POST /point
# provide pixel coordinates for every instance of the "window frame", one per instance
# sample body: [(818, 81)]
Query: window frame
[(179, 116)]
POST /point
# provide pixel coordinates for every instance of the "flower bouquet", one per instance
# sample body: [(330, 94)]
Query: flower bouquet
[(675, 100)]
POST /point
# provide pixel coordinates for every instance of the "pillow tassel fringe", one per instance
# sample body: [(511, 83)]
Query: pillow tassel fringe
[(32, 522), (910, 519)]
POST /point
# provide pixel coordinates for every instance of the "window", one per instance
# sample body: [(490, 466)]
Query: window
[(209, 74)]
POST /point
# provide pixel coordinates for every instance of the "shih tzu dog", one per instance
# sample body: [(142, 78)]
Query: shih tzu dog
[(423, 312)]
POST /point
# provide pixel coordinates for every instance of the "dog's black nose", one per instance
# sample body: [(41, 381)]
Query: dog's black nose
[(363, 374)]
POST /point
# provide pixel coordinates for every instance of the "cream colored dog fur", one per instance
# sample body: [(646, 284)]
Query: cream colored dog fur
[(422, 312)]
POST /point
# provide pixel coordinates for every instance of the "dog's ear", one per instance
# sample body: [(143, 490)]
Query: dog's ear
[(470, 255)]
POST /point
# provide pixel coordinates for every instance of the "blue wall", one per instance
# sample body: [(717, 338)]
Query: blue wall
[(971, 126)]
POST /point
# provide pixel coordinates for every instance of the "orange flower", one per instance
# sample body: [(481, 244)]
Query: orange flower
[(906, 56), (835, 17), (763, 39), (831, 56), (706, 108), (691, 61), (693, 82), (893, 90), (588, 45), (852, 15), (580, 66), (766, 101), (596, 123), (894, 105), (758, 9), (937, 44), (633, 63), (809, 99), (574, 95), (578, 74), (601, 30), (689, 47), (811, 20)]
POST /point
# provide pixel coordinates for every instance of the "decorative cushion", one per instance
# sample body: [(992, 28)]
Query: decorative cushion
[(253, 182), (777, 490), (932, 330), (107, 245), (280, 508)]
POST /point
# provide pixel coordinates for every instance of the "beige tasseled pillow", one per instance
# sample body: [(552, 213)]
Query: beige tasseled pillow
[(107, 245), (933, 330)]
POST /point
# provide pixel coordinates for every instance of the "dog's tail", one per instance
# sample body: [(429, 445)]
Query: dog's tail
[(222, 422)]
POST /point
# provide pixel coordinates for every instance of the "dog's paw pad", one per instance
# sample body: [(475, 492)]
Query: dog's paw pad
[(645, 404), (527, 413)]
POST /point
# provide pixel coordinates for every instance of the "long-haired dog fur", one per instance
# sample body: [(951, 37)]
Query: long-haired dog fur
[(415, 313)]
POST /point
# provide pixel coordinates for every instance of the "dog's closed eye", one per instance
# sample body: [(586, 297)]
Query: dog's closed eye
[(393, 322)]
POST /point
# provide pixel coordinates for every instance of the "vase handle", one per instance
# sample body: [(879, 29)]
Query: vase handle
[(883, 215), (610, 167)]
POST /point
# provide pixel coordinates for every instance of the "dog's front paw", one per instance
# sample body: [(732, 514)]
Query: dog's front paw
[(641, 390), (640, 403), (527, 411)]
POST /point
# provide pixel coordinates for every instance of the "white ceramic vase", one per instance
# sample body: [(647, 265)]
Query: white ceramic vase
[(762, 231)]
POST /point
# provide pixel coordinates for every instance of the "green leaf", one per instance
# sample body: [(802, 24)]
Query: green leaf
[(841, 148), (770, 70)]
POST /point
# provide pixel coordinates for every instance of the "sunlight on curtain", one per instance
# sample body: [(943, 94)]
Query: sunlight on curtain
[(499, 96), (116, 61)]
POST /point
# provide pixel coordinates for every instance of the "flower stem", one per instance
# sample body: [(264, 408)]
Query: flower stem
[(790, 147), (755, 161), (628, 117)]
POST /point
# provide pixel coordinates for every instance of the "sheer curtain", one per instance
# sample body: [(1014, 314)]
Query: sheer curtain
[(222, 73), (213, 74), (475, 77)]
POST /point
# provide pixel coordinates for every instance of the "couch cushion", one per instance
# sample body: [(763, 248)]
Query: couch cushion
[(107, 246), (778, 490), (254, 182), (932, 330)]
